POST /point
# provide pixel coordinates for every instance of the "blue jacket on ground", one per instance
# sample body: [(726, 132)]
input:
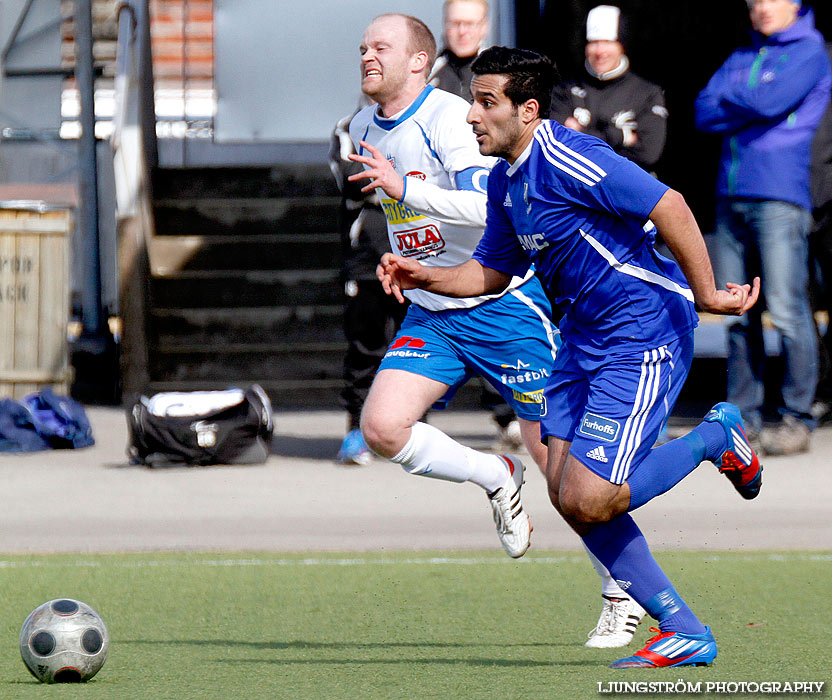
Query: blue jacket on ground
[(767, 99)]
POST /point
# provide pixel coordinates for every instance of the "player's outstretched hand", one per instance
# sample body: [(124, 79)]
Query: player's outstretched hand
[(736, 299), (397, 274), (380, 172)]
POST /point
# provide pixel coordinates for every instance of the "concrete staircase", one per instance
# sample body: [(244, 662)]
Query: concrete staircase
[(246, 283)]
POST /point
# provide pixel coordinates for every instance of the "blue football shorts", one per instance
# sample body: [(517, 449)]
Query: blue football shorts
[(510, 341), (612, 407)]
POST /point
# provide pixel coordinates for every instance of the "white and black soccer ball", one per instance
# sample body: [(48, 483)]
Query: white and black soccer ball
[(64, 641)]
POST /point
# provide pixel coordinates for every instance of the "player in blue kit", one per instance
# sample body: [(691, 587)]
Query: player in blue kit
[(423, 161), (587, 218)]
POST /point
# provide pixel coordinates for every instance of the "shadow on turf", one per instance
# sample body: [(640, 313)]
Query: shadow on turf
[(450, 662), (300, 644), (303, 644)]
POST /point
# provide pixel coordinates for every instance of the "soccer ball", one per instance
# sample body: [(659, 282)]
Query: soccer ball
[(64, 641)]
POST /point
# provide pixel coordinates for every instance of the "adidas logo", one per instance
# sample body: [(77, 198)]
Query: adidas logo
[(598, 454), (507, 203), (741, 447)]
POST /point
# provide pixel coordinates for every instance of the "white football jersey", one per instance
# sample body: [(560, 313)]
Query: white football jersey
[(441, 217)]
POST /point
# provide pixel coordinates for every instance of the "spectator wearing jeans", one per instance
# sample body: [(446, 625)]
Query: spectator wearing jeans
[(766, 101)]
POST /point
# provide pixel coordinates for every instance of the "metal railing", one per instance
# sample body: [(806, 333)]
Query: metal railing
[(134, 154)]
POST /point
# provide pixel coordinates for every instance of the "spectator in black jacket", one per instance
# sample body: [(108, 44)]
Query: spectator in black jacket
[(465, 30), (611, 102)]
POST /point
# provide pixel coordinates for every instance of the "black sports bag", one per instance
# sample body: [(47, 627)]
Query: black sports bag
[(200, 428)]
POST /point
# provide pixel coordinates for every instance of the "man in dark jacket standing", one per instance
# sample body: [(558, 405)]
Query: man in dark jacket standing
[(465, 30), (611, 102), (821, 248), (766, 101), (371, 317)]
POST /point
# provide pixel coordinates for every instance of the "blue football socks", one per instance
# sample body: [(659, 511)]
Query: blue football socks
[(668, 464), (621, 547)]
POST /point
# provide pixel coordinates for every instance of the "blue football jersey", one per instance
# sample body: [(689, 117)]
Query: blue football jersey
[(580, 213)]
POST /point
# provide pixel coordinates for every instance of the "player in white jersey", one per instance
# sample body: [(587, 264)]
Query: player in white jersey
[(439, 216), (419, 151)]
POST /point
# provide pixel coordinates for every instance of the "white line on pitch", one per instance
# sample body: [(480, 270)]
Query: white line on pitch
[(361, 561)]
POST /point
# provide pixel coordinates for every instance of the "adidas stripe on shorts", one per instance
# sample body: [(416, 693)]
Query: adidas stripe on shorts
[(612, 407)]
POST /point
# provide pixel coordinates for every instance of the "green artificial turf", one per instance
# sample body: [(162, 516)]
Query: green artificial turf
[(402, 625)]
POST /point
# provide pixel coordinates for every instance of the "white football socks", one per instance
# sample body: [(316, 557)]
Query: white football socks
[(431, 453), (609, 587)]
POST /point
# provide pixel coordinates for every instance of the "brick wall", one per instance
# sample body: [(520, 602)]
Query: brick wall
[(182, 37)]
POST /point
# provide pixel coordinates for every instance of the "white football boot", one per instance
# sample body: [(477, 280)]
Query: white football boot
[(513, 525), (617, 624)]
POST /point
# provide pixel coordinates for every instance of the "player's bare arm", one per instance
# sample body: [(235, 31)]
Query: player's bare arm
[(677, 226), (380, 173), (467, 280)]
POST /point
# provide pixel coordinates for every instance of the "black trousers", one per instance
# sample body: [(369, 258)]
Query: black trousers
[(821, 254), (371, 321)]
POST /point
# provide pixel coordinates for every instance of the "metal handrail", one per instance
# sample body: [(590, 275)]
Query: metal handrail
[(4, 54), (134, 155), (134, 130)]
